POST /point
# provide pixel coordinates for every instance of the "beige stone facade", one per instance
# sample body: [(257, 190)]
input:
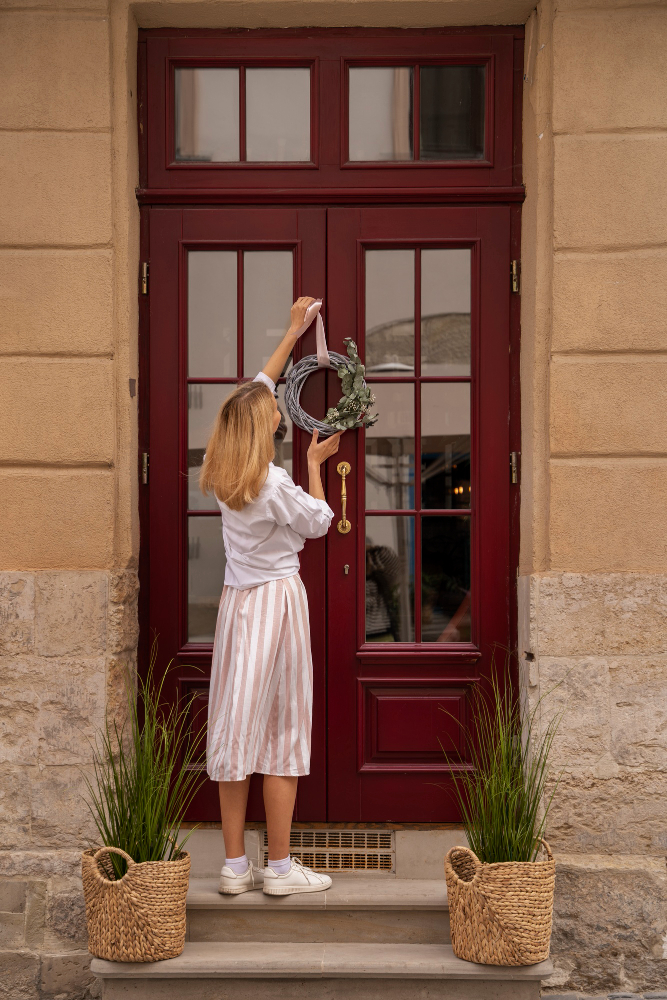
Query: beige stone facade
[(593, 566)]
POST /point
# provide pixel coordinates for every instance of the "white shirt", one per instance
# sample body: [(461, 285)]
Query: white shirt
[(263, 540)]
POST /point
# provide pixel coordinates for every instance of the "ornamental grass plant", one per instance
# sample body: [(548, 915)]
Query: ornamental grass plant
[(503, 798), (145, 773)]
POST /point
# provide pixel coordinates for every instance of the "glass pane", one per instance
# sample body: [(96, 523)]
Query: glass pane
[(277, 114), (268, 286), (380, 113), (390, 450), (390, 581), (451, 112), (204, 401), (284, 436), (212, 314), (207, 115), (445, 312), (445, 444), (445, 579), (390, 312), (206, 575)]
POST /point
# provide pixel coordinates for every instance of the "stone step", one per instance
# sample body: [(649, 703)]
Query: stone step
[(405, 911), (271, 970)]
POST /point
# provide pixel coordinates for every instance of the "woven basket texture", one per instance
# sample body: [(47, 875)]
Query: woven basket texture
[(500, 914), (140, 917)]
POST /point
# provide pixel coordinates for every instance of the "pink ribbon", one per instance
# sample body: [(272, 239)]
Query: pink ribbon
[(313, 312)]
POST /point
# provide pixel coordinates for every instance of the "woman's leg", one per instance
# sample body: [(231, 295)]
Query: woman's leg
[(279, 796), (233, 804)]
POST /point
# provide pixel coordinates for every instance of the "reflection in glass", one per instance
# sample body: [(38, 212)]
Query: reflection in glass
[(207, 115), (206, 575), (390, 450), (451, 112), (390, 583), (380, 113), (445, 312), (278, 114), (390, 312), (284, 436), (268, 286), (212, 313), (445, 445), (204, 401), (445, 579)]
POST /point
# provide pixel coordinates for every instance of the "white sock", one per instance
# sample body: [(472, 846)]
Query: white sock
[(281, 867), (238, 865)]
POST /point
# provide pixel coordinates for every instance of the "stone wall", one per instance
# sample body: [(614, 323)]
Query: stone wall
[(593, 584)]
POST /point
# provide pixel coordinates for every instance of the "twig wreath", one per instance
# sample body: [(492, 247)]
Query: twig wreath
[(352, 409)]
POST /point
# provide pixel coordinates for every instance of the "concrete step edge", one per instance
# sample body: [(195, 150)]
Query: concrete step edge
[(345, 894), (271, 960)]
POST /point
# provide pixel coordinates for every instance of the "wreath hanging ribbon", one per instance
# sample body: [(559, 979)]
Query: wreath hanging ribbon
[(353, 408)]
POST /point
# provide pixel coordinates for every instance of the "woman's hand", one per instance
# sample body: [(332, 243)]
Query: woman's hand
[(298, 313), (319, 452)]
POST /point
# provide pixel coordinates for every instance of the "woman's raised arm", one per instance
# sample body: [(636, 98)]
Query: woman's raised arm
[(274, 366)]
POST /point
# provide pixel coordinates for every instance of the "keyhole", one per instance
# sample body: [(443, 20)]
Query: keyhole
[(346, 568)]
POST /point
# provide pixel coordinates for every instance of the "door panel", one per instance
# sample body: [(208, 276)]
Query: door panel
[(423, 608), (222, 282)]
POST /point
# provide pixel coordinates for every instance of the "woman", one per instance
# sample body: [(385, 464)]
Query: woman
[(260, 703)]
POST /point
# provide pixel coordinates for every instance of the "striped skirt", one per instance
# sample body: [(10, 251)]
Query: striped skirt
[(261, 694)]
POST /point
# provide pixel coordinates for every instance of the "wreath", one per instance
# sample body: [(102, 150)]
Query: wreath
[(352, 409)]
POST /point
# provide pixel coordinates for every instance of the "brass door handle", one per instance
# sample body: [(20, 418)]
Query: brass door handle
[(343, 470)]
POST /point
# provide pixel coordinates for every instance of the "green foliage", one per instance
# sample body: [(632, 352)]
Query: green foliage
[(145, 774), (352, 409), (503, 799)]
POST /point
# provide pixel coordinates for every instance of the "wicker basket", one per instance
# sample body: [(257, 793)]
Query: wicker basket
[(500, 914), (140, 917)]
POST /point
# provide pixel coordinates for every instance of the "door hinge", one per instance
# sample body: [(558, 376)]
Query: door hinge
[(515, 272), (144, 278), (514, 467), (144, 468)]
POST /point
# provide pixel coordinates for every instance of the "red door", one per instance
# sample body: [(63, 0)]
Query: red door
[(419, 588), (222, 282)]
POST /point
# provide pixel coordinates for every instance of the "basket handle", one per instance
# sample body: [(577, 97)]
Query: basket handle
[(546, 848), (453, 852), (113, 850)]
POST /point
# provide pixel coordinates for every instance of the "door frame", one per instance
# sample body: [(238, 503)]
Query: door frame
[(511, 193)]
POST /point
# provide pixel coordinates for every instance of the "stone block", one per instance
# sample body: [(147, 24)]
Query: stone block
[(617, 60), (12, 930), (59, 814), (96, 5), (576, 691), (609, 923), (67, 975), (55, 71), (56, 518), (120, 677), (50, 709), (57, 410), (638, 717), (627, 812), (421, 853), (609, 191), (12, 896), (39, 864), (14, 807), (55, 302), (65, 924), (576, 614), (35, 914), (610, 302), (17, 612), (607, 406), (57, 188), (607, 515), (19, 975), (70, 613), (123, 622)]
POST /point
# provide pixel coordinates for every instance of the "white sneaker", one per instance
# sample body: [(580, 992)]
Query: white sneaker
[(297, 879), (231, 884)]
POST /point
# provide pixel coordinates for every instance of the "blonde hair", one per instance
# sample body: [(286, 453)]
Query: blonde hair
[(241, 446)]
